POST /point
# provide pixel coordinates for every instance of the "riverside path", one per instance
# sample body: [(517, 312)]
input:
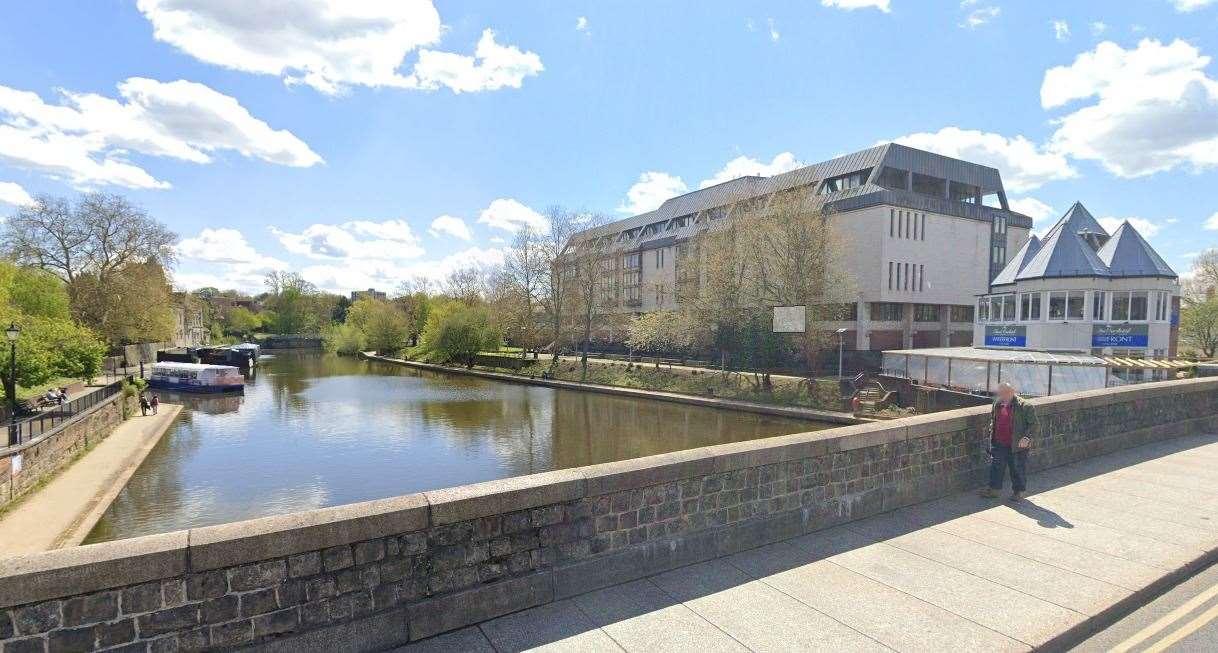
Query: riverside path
[(1093, 541)]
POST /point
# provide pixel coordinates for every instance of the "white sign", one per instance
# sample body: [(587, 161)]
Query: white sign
[(790, 319), (15, 468)]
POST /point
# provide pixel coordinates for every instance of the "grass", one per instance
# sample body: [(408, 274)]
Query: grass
[(24, 393)]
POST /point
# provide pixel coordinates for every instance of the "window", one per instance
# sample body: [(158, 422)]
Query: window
[(1002, 308), (915, 226), (632, 260), (1163, 306), (962, 314), (1074, 306), (890, 275), (983, 310), (1098, 299), (926, 312), (962, 192), (1029, 307), (1057, 306), (843, 182), (885, 311), (1008, 308), (1137, 305), (900, 224), (893, 178), (898, 276), (892, 219), (927, 185), (659, 294), (660, 257), (1120, 307), (906, 287), (921, 276), (923, 226)]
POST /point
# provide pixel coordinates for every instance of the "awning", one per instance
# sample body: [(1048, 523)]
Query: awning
[(1147, 363)]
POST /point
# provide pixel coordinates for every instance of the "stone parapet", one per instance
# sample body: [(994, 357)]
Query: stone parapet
[(372, 575)]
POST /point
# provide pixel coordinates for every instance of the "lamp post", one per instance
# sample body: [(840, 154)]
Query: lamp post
[(841, 335), (13, 332)]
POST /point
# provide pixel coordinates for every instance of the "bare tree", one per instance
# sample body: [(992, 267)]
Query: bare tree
[(554, 257), (526, 274), (1202, 283), (465, 285), (99, 234), (591, 284)]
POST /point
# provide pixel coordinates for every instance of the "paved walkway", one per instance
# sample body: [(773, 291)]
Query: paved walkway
[(64, 511), (1094, 540)]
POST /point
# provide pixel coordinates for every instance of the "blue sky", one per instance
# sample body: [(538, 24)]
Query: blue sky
[(366, 142)]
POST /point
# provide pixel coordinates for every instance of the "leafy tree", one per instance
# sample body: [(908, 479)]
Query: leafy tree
[(661, 332), (1199, 326), (298, 306), (385, 328), (456, 332), (344, 339), (132, 304), (242, 321)]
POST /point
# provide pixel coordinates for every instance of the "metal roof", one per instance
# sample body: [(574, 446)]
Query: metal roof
[(1064, 252), (1018, 262), (1003, 355), (1127, 254)]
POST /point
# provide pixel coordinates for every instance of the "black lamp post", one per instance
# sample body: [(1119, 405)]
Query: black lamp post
[(13, 332)]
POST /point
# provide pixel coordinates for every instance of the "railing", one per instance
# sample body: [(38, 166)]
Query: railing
[(26, 429)]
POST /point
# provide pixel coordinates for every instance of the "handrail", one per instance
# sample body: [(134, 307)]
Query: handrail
[(25, 430)]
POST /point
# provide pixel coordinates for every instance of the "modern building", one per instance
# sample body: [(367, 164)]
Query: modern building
[(1081, 289), (370, 293), (923, 236)]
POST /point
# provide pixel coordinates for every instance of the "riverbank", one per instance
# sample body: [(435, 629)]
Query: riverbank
[(63, 511), (797, 412)]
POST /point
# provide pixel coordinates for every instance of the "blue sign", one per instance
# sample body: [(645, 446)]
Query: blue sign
[(1006, 336), (1120, 335)]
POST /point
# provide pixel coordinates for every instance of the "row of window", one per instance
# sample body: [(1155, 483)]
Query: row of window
[(906, 276), (893, 311), (1071, 306), (906, 224)]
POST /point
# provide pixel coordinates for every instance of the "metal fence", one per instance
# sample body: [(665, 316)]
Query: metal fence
[(50, 417)]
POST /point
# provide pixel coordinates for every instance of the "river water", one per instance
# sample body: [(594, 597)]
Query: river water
[(316, 430)]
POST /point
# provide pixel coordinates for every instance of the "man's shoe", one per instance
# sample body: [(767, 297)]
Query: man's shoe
[(989, 493), (1017, 497)]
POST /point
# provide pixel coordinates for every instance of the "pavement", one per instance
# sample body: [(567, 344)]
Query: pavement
[(63, 511), (1093, 542)]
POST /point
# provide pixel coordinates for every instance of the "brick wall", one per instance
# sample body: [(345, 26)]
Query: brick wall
[(47, 454), (372, 575)]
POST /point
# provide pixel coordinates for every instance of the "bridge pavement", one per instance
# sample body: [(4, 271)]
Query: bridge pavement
[(1093, 541)]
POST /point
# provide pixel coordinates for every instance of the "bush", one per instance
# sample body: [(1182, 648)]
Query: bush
[(344, 339), (456, 332)]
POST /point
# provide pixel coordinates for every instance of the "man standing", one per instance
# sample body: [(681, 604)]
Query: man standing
[(1013, 425)]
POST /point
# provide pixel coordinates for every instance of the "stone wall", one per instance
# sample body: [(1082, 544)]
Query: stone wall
[(49, 453), (372, 575)]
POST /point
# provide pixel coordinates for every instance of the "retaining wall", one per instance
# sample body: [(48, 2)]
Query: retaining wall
[(372, 575), (51, 451)]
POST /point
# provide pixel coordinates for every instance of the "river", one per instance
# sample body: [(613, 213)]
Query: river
[(315, 430)]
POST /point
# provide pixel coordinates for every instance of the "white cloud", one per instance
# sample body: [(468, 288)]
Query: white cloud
[(650, 191), (509, 215), (86, 137), (1212, 222), (1061, 30), (370, 273), (1098, 27), (14, 194), (1191, 5), (1153, 107), (979, 16), (232, 261), (353, 241), (1022, 164), (447, 224), (851, 5), (774, 35), (334, 44), (743, 166), (1033, 208), (581, 24), (1145, 227)]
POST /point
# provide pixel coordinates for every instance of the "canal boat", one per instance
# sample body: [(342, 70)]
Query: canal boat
[(196, 377)]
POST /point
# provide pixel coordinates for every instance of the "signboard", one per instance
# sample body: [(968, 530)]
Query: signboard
[(790, 319), (17, 465), (998, 335), (1120, 335)]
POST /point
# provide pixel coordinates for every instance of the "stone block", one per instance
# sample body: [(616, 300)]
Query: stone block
[(168, 621), (220, 609), (377, 632), (37, 618), (72, 640), (142, 598), (503, 496), (258, 602), (90, 609), (305, 564), (84, 569), (227, 545), (113, 634), (632, 563), (370, 551), (27, 645), (233, 633), (612, 477), (441, 614), (337, 557), (257, 576), (283, 621)]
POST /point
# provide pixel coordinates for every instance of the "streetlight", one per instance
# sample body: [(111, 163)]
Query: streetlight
[(13, 332), (841, 335)]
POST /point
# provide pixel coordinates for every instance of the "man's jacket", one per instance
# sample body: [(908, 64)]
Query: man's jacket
[(1023, 421)]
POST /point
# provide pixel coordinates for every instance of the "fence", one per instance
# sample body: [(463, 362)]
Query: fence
[(27, 429)]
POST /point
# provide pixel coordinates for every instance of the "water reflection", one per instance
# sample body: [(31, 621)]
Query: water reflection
[(315, 430)]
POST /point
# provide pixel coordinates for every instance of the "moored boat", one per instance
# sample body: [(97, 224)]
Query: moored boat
[(196, 377)]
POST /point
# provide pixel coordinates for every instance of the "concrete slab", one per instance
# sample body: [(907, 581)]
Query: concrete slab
[(560, 626), (757, 615), (997, 607), (640, 616), (1142, 524), (1174, 513), (466, 640)]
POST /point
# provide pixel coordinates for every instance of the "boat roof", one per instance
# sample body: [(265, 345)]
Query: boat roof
[(170, 365)]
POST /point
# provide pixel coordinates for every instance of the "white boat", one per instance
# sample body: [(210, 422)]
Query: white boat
[(196, 377)]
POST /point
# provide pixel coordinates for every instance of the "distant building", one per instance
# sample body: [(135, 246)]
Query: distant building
[(190, 327), (370, 293), (1080, 289), (923, 236)]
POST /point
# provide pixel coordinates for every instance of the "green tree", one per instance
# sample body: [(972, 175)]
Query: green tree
[(1199, 326), (385, 328), (130, 304), (661, 332), (242, 321), (344, 339), (456, 333)]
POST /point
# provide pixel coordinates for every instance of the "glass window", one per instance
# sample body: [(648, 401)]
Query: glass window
[(926, 312), (1029, 310), (927, 185), (1008, 308), (1120, 306), (1137, 305), (1098, 299), (921, 276), (983, 310), (1057, 306), (892, 219), (923, 226), (1074, 306), (962, 192), (962, 314), (996, 308), (885, 311), (894, 178), (890, 275)]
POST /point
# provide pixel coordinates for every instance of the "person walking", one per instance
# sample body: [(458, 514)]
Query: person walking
[(1013, 427), (144, 405), (156, 403)]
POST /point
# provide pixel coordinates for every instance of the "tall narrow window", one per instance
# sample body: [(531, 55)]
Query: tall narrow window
[(1098, 299), (907, 276), (898, 276), (890, 275), (908, 223), (921, 276), (892, 219), (923, 226), (915, 226), (900, 224)]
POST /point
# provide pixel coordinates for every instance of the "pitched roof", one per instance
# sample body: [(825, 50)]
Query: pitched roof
[(1127, 254), (1018, 262)]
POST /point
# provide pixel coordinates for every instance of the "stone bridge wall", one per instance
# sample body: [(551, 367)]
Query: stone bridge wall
[(371, 575)]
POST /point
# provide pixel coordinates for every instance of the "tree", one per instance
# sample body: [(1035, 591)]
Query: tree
[(296, 305), (1202, 283), (132, 304), (554, 257), (1199, 326), (99, 234), (464, 285), (242, 321), (456, 332), (661, 332), (525, 279), (385, 328), (591, 286)]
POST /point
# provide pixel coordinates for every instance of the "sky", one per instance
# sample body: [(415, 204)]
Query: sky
[(367, 143)]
